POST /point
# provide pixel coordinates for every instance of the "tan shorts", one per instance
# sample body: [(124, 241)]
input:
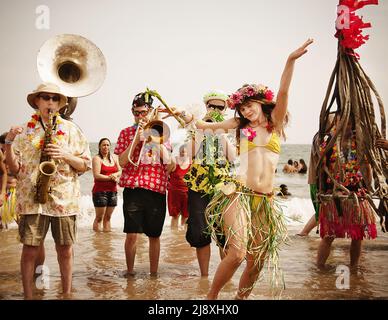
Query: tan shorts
[(33, 229)]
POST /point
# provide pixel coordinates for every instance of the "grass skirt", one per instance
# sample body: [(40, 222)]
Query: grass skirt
[(347, 218), (7, 210), (265, 220)]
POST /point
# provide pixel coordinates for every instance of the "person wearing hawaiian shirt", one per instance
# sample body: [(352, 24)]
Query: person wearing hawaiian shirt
[(145, 183), (70, 152)]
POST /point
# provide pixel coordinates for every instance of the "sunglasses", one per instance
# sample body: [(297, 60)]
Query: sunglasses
[(215, 107), (138, 113), (46, 97)]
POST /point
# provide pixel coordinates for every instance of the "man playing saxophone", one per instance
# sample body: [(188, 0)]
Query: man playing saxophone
[(62, 143)]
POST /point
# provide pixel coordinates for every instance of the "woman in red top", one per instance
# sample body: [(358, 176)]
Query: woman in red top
[(177, 189), (106, 172)]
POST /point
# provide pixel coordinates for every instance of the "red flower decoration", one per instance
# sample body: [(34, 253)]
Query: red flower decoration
[(269, 95), (349, 29), (269, 127)]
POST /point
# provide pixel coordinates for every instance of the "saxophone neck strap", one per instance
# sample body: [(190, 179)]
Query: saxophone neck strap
[(54, 124)]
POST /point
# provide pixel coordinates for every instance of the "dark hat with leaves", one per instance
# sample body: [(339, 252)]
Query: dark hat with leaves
[(142, 99)]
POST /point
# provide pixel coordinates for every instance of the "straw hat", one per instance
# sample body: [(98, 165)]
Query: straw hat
[(48, 88)]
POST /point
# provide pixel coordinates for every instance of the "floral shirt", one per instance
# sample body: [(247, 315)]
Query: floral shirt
[(151, 174), (63, 199), (209, 167)]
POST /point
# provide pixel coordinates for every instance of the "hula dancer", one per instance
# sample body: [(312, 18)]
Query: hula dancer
[(243, 209)]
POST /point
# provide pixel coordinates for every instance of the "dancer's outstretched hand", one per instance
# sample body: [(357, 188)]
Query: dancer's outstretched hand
[(300, 51)]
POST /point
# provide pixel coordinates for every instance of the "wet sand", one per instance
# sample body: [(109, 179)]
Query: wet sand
[(99, 264)]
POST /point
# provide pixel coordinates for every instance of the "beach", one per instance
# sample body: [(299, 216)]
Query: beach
[(99, 264), (99, 259)]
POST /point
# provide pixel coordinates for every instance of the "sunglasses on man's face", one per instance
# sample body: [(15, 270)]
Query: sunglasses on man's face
[(46, 97), (140, 113), (215, 107)]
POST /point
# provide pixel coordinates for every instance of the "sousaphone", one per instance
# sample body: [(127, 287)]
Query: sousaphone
[(75, 64)]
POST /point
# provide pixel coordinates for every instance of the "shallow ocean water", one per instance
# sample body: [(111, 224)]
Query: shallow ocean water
[(99, 264)]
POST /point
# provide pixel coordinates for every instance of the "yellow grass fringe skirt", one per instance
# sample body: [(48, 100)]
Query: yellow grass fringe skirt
[(7, 210), (265, 221)]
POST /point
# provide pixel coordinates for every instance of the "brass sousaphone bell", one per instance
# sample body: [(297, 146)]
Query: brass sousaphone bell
[(75, 64), (78, 68)]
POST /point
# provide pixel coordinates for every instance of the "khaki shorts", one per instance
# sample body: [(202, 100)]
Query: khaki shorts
[(33, 229)]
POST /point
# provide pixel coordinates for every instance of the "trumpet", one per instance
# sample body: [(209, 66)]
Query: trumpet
[(155, 131)]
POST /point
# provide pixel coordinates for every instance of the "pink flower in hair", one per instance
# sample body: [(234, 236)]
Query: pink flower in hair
[(250, 92), (237, 97)]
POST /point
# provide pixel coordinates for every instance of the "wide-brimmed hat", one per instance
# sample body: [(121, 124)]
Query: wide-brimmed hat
[(48, 88)]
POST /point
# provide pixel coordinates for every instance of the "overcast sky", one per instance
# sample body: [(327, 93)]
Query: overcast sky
[(182, 49)]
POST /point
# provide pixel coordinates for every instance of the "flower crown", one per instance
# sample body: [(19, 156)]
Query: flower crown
[(253, 91)]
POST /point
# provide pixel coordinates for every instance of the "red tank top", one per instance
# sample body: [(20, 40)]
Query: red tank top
[(176, 179), (100, 186)]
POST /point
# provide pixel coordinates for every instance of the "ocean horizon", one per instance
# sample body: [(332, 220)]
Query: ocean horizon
[(298, 207)]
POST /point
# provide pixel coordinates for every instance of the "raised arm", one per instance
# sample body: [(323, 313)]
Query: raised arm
[(280, 110), (10, 157)]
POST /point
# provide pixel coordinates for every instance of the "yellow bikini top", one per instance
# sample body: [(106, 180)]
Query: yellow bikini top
[(272, 145)]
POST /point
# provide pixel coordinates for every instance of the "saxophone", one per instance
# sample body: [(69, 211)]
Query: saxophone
[(47, 167)]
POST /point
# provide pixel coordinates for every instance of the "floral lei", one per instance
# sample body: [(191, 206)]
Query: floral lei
[(38, 140), (350, 167), (249, 133), (259, 92)]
